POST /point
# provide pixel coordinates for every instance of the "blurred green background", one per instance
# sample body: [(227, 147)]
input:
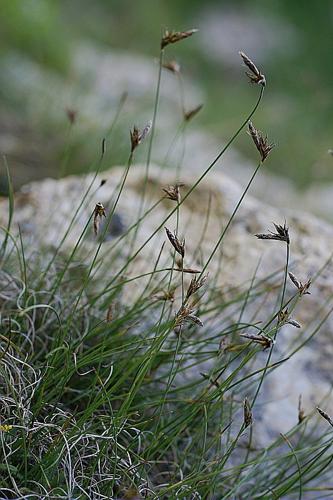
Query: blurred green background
[(290, 40)]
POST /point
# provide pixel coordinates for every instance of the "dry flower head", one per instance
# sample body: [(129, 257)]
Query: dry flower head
[(284, 319), (325, 415), (261, 142), (185, 315), (172, 192), (253, 74), (248, 417), (99, 212), (138, 137), (281, 234), (175, 36), (178, 245), (303, 288), (195, 284), (265, 341)]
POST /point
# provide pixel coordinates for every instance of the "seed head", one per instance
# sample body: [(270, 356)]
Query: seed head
[(284, 319), (325, 415), (188, 115), (262, 339), (185, 315), (281, 234), (303, 288), (172, 192), (175, 36), (179, 246), (301, 412), (195, 284), (99, 212), (260, 142), (254, 74), (137, 137), (248, 417)]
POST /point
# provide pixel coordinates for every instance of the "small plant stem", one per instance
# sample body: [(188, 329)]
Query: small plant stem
[(240, 201), (150, 145), (277, 327)]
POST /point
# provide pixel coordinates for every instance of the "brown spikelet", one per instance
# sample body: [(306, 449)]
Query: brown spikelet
[(177, 245), (262, 339), (175, 36), (168, 295), (195, 285), (71, 115), (188, 115), (185, 314), (284, 319), (172, 192), (325, 415), (138, 137), (99, 212), (248, 417), (261, 142), (172, 66), (187, 270), (281, 234), (254, 74), (301, 412), (109, 314), (303, 288)]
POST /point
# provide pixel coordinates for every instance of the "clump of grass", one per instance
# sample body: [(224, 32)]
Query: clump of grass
[(100, 398)]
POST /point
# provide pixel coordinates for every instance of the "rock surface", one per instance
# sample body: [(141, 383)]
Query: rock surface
[(44, 211)]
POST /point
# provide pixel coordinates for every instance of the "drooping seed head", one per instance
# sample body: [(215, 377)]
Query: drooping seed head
[(281, 234), (263, 146), (178, 245), (138, 137), (303, 288), (99, 212), (175, 36), (254, 75), (172, 192), (248, 417)]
